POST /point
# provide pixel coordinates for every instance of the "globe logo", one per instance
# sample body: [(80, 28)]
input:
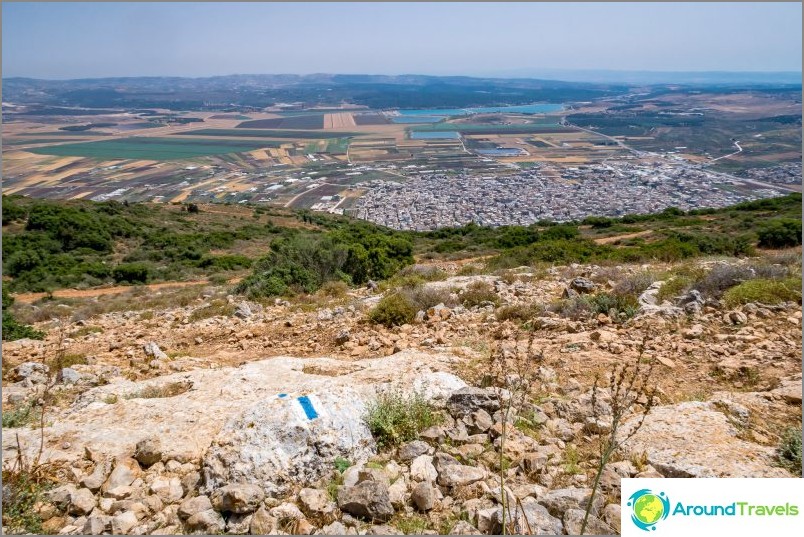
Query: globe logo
[(648, 508)]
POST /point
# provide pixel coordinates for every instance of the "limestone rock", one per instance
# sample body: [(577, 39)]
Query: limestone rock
[(423, 496), (456, 475), (122, 523), (152, 350), (125, 471), (467, 400), (262, 523), (413, 449), (208, 522), (148, 451), (583, 285), (560, 500), (368, 500), (82, 502), (315, 502), (195, 505), (671, 438), (239, 498), (573, 521)]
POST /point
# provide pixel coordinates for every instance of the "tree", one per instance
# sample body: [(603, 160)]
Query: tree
[(780, 233)]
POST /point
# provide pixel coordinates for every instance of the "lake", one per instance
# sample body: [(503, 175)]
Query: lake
[(435, 135), (501, 152)]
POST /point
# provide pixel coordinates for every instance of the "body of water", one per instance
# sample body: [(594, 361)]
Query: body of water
[(435, 135), (500, 152)]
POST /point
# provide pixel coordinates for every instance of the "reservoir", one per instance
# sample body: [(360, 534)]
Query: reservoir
[(435, 135)]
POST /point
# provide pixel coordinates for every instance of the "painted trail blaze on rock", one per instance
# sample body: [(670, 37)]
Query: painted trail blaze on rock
[(292, 439), (307, 406)]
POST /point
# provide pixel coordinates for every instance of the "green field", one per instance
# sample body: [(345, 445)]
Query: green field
[(266, 133), (152, 148)]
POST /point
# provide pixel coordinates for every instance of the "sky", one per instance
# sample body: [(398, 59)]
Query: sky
[(87, 40)]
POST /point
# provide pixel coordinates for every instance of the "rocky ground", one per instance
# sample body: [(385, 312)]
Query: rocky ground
[(224, 415)]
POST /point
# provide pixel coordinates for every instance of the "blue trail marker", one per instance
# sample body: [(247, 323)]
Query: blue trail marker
[(308, 408)]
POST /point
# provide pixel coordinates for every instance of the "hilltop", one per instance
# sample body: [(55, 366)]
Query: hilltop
[(344, 378)]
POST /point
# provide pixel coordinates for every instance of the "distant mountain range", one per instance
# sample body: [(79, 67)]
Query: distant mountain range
[(375, 91)]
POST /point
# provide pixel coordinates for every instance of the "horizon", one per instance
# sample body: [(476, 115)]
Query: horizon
[(582, 76), (70, 41)]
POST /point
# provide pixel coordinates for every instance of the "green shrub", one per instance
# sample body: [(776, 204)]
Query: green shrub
[(394, 418), (764, 292), (479, 293), (675, 286), (393, 310), (789, 451), (575, 308), (335, 289), (13, 329), (22, 415), (131, 273), (622, 304), (305, 263), (22, 490), (634, 285), (780, 233)]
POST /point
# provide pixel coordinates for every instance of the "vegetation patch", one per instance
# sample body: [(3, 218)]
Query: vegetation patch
[(764, 291), (479, 294), (13, 329), (139, 148), (789, 451), (394, 418)]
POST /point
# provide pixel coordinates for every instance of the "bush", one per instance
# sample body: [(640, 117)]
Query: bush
[(131, 273), (780, 233), (394, 418), (305, 263), (478, 294), (789, 451), (572, 308), (604, 303), (723, 277), (22, 491), (674, 286), (519, 312), (13, 329), (22, 415), (634, 285), (335, 289), (393, 310), (764, 292)]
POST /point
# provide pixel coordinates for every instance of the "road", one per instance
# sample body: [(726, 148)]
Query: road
[(739, 150)]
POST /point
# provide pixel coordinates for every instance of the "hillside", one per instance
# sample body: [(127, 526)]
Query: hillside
[(343, 378)]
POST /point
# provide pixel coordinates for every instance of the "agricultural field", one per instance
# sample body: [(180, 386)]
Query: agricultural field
[(315, 121), (151, 148), (265, 133)]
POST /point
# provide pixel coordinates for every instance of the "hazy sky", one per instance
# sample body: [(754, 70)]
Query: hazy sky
[(73, 40)]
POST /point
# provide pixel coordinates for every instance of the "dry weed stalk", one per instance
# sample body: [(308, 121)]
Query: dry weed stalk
[(513, 363), (630, 393)]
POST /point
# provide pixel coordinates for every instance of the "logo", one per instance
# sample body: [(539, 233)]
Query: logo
[(648, 508)]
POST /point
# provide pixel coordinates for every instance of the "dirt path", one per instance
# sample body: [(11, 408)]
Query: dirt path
[(609, 240), (27, 298)]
